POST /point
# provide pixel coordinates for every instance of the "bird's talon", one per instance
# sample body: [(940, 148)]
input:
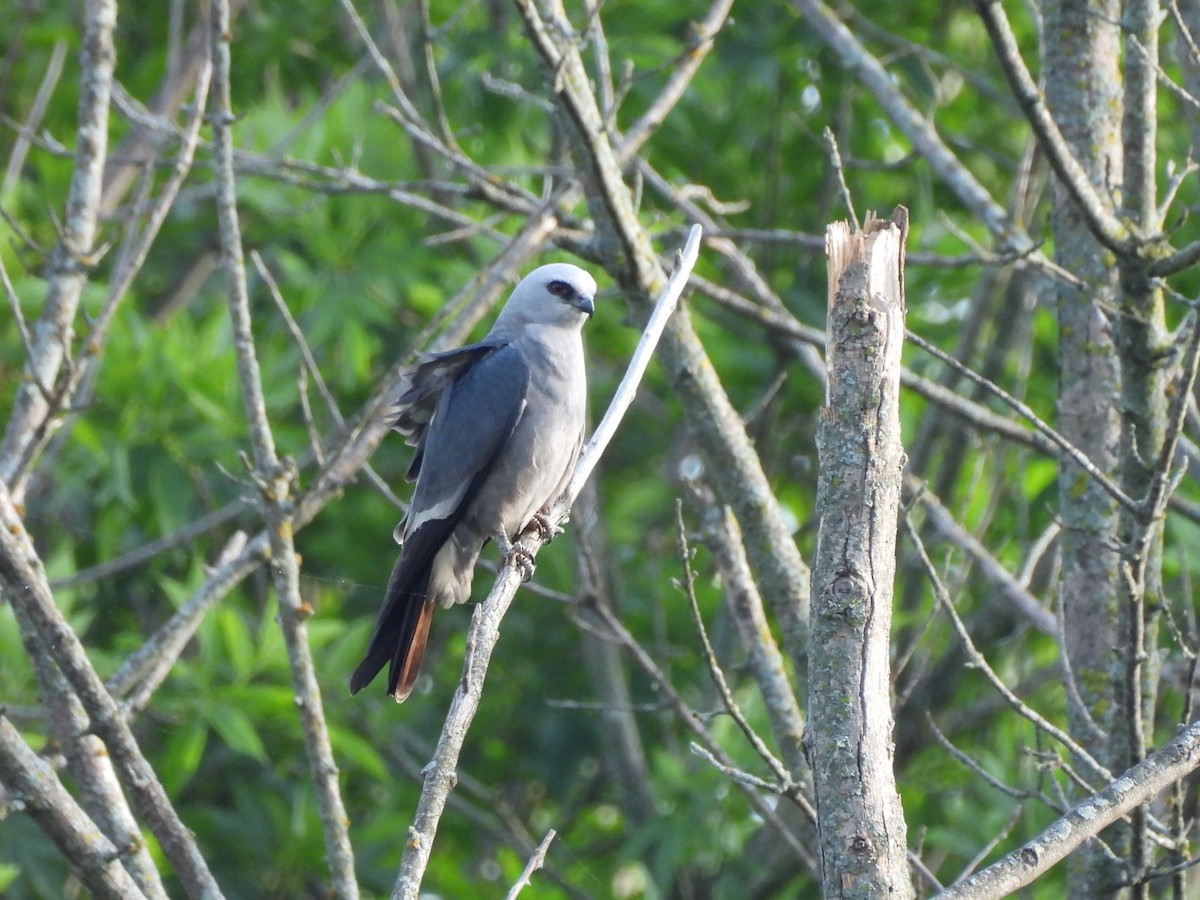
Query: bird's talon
[(523, 560), (547, 529), (515, 554)]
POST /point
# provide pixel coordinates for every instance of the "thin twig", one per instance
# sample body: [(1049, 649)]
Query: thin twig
[(835, 159), (536, 861), (702, 35), (692, 720), (148, 667), (1157, 497), (1077, 455), (995, 841), (1009, 588), (979, 662), (764, 659), (778, 769), (988, 777), (135, 247), (33, 121), (871, 73), (741, 776), (314, 372), (140, 555)]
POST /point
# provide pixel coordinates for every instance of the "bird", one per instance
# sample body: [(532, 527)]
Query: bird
[(497, 426)]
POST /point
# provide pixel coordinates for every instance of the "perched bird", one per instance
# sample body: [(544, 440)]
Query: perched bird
[(497, 427)]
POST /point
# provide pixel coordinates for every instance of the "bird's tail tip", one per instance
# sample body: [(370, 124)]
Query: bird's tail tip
[(365, 674)]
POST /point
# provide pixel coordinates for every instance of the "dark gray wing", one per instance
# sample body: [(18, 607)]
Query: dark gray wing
[(424, 386), (469, 428)]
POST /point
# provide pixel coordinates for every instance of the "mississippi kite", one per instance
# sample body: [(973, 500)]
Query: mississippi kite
[(497, 428)]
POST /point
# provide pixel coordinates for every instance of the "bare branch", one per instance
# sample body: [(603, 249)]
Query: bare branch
[(737, 471), (1136, 787), (536, 860), (915, 127), (33, 121), (1078, 456), (702, 35), (275, 481), (835, 158), (88, 761), (979, 662), (693, 722), (1009, 587), (778, 769), (25, 580), (638, 363), (52, 335), (92, 856), (765, 662), (147, 668), (1104, 224)]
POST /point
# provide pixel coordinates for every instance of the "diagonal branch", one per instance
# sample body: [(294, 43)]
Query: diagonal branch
[(1078, 456), (918, 129), (626, 250), (92, 855), (485, 623), (25, 581), (1034, 858), (68, 267), (1103, 223), (701, 36)]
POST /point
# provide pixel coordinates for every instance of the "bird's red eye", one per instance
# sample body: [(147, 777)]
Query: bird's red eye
[(559, 289)]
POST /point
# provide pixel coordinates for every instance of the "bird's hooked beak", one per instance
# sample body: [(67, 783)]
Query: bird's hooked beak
[(585, 303)]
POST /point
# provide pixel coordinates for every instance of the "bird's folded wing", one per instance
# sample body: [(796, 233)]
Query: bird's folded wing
[(465, 435), (422, 388)]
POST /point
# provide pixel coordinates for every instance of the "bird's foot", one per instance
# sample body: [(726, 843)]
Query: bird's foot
[(515, 554), (546, 528)]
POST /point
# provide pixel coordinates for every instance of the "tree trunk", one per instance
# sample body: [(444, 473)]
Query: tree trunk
[(1083, 91), (849, 736)]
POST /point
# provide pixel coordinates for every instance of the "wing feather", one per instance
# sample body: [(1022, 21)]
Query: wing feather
[(424, 386)]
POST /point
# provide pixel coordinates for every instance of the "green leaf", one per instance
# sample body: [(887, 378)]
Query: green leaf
[(182, 754), (238, 732)]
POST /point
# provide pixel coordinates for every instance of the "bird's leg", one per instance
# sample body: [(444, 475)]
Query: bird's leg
[(516, 554)]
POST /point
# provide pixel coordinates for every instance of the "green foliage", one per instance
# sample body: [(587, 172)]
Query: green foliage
[(158, 445)]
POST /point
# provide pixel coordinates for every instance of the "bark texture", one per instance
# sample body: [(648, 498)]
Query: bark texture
[(849, 736), (1083, 92)]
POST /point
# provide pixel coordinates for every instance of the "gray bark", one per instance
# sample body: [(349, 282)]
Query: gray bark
[(849, 736), (1083, 93)]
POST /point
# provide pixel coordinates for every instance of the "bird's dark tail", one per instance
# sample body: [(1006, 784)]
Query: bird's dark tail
[(400, 631)]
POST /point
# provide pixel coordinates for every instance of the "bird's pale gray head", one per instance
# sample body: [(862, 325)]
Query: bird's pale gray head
[(557, 294)]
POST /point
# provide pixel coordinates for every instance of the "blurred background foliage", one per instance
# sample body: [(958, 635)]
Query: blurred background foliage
[(158, 445)]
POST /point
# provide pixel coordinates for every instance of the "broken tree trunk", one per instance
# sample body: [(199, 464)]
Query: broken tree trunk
[(849, 734)]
